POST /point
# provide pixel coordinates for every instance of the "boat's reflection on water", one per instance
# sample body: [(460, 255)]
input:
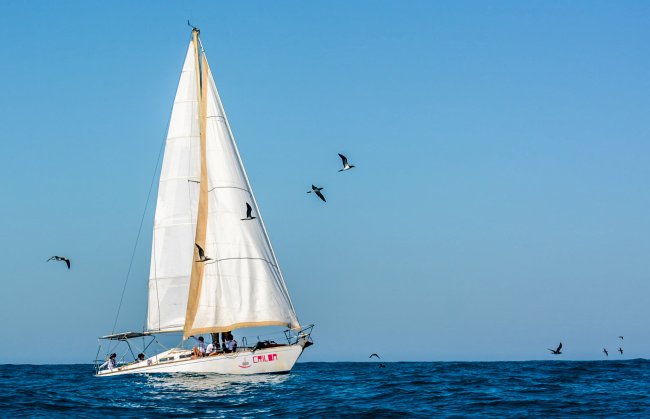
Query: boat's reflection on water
[(212, 382)]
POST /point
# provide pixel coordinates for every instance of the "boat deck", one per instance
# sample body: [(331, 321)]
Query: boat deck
[(178, 356)]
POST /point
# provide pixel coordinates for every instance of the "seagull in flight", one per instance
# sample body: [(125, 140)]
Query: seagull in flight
[(371, 355), (557, 351), (620, 337), (620, 350), (60, 258), (605, 352), (317, 191), (202, 257), (249, 210), (346, 165)]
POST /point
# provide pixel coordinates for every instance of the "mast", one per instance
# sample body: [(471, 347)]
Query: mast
[(198, 266)]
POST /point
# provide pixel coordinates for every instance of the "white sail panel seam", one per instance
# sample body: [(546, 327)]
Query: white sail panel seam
[(181, 137), (241, 258)]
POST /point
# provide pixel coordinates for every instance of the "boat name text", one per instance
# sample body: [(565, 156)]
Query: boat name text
[(265, 358)]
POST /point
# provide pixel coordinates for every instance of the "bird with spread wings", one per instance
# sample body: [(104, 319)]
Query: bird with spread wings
[(60, 259)]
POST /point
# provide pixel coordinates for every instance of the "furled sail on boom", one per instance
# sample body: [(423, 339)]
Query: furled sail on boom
[(241, 284)]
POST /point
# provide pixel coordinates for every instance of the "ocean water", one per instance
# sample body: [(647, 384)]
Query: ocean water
[(405, 389)]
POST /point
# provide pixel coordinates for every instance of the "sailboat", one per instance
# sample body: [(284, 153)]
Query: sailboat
[(213, 269)]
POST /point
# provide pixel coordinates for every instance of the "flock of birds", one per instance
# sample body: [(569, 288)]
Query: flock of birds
[(317, 190), (249, 210), (249, 216), (558, 350)]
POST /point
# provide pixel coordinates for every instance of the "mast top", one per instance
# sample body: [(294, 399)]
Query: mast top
[(194, 28)]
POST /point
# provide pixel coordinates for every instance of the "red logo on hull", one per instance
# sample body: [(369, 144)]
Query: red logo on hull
[(264, 358)]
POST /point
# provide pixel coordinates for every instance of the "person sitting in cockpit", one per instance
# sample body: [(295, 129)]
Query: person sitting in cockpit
[(212, 349), (110, 363), (199, 350)]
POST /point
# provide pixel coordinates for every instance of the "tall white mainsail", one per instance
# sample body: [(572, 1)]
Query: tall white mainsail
[(176, 209), (241, 286)]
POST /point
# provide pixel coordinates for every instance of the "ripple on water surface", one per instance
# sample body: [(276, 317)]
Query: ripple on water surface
[(497, 389)]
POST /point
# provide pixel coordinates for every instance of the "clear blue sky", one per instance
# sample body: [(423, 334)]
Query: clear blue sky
[(500, 202)]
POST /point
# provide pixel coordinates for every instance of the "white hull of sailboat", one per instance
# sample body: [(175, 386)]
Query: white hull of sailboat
[(278, 360)]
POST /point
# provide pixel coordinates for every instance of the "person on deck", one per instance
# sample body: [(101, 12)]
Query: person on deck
[(224, 339), (231, 343), (110, 363), (213, 348), (139, 359), (199, 350), (215, 340)]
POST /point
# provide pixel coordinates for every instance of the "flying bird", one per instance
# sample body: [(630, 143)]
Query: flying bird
[(202, 257), (346, 165), (620, 350), (317, 191), (620, 337), (249, 210), (557, 351), (605, 352), (60, 258), (371, 355)]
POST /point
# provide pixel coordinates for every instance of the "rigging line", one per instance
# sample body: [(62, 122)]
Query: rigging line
[(144, 213), (97, 357), (155, 276), (161, 345)]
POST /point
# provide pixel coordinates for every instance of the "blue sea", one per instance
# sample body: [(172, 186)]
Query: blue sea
[(405, 389)]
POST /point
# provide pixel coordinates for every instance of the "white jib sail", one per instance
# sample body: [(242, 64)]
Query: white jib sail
[(242, 285), (175, 219)]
